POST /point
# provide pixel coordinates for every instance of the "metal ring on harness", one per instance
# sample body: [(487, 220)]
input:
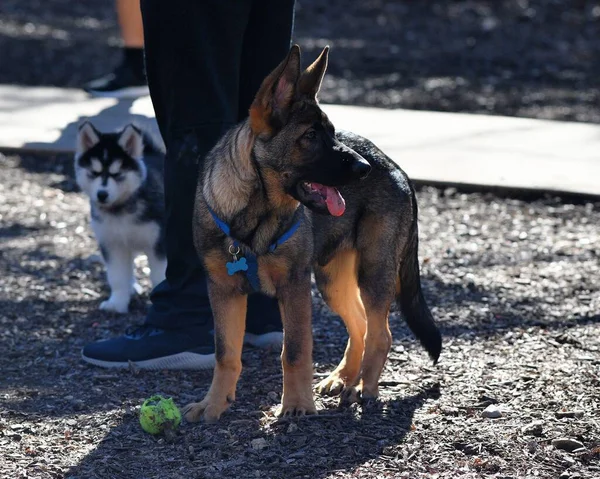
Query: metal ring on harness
[(233, 253)]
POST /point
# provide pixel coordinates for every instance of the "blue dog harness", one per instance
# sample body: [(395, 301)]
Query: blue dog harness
[(249, 262)]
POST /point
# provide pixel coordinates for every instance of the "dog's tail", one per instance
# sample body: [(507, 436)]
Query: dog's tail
[(411, 300)]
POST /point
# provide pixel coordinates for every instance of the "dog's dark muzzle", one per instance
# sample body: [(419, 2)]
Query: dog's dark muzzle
[(361, 168), (358, 166)]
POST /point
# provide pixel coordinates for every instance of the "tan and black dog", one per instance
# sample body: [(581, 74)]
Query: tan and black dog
[(282, 194)]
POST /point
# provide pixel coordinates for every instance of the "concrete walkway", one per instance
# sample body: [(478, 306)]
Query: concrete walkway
[(450, 148)]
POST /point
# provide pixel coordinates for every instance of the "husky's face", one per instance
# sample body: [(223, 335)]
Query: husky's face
[(109, 166)]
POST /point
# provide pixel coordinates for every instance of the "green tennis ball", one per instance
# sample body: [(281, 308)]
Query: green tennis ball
[(158, 414)]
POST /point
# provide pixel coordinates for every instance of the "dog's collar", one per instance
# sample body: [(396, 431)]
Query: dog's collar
[(248, 262)]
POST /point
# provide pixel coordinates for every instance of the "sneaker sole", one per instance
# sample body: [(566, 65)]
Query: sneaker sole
[(189, 361), (123, 93), (272, 340), (180, 361)]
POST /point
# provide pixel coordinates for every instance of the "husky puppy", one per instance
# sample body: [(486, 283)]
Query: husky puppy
[(121, 173)]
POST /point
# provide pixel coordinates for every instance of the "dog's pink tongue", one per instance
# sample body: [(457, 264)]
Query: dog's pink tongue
[(335, 203)]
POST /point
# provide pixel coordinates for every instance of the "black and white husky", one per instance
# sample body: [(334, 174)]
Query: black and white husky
[(122, 175)]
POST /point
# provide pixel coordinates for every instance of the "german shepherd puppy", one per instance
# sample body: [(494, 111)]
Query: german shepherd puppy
[(281, 190)]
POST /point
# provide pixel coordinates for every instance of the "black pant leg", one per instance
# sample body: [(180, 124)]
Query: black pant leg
[(205, 61), (193, 51), (266, 43)]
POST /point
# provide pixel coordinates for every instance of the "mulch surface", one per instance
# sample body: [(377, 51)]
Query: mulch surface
[(512, 284), (512, 281)]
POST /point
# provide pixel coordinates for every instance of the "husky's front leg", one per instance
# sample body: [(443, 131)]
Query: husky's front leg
[(119, 272), (229, 312), (295, 304)]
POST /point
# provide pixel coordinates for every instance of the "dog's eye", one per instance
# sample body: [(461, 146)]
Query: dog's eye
[(310, 134), (94, 174)]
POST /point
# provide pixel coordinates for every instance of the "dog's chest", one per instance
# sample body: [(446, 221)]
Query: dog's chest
[(270, 272), (125, 230)]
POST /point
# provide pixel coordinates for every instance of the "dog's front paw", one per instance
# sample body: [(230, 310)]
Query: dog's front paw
[(296, 407), (115, 306), (208, 410)]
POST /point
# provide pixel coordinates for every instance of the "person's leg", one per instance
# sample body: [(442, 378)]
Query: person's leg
[(240, 66), (127, 80), (192, 63), (129, 15), (193, 50), (130, 22), (267, 41)]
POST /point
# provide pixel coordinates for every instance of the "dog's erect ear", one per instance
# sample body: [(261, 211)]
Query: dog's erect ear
[(87, 137), (132, 142), (311, 78), (272, 103)]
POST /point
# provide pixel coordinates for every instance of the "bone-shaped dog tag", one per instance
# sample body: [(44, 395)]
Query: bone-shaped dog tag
[(237, 265)]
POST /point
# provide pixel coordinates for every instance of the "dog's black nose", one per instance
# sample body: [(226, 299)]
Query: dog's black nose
[(361, 168), (102, 196)]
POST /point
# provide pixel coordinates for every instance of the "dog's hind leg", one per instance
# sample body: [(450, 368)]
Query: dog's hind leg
[(338, 284), (378, 341), (229, 311), (377, 280)]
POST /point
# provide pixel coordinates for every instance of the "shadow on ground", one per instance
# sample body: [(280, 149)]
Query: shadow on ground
[(286, 449), (107, 120)]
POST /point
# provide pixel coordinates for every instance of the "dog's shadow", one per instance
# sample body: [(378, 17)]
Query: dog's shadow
[(346, 438), (250, 444)]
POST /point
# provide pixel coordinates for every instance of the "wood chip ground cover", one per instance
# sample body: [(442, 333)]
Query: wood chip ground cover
[(512, 284)]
